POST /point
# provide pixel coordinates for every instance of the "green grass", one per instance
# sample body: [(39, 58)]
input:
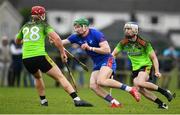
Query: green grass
[(26, 101)]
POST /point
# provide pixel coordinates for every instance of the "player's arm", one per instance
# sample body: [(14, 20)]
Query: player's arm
[(65, 42), (116, 51), (18, 41), (155, 61), (103, 49), (19, 38), (56, 40)]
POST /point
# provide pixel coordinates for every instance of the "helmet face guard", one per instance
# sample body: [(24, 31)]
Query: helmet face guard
[(133, 26)]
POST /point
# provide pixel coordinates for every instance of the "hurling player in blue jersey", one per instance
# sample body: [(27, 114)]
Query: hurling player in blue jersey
[(96, 46)]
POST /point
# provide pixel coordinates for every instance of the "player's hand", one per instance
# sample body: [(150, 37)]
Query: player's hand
[(85, 46), (50, 41), (158, 74), (64, 57)]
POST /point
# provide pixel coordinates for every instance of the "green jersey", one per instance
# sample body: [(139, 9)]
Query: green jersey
[(33, 35), (138, 52)]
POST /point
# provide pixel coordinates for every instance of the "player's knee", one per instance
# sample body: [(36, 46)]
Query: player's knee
[(93, 86), (136, 82), (100, 82)]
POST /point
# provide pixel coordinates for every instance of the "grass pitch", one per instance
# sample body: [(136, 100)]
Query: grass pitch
[(26, 101)]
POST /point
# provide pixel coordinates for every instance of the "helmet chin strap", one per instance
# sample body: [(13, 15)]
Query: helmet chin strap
[(39, 17), (42, 17)]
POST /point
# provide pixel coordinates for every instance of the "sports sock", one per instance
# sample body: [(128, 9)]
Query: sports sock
[(75, 96), (42, 97), (108, 98), (126, 88), (162, 91), (158, 101), (115, 102), (77, 99)]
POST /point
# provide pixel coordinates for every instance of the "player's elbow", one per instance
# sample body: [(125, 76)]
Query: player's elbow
[(65, 41), (107, 50), (53, 36), (113, 55), (55, 39)]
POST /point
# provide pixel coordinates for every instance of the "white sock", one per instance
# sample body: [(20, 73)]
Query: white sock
[(43, 101), (128, 88), (77, 99), (115, 102)]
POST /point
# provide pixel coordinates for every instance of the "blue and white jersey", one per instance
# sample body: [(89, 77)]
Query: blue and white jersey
[(93, 39)]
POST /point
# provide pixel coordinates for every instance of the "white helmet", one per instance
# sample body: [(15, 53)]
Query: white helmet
[(133, 25)]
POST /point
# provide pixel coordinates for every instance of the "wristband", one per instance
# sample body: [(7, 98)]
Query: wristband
[(93, 49)]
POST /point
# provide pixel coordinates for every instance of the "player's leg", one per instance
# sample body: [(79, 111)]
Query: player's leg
[(141, 81), (103, 79), (39, 84), (101, 92), (53, 71), (106, 67), (56, 74), (32, 67), (152, 97)]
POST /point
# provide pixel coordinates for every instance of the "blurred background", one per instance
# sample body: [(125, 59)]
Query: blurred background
[(159, 22)]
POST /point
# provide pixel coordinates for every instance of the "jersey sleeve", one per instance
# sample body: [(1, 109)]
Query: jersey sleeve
[(118, 47), (19, 34), (48, 29), (100, 37), (72, 38), (149, 48)]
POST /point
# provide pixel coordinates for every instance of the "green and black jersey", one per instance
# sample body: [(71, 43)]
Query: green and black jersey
[(138, 52), (33, 35)]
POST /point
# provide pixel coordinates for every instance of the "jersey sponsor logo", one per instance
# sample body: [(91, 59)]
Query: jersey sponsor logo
[(134, 53)]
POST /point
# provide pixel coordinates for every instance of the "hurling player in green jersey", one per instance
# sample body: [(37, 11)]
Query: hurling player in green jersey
[(142, 57), (32, 35)]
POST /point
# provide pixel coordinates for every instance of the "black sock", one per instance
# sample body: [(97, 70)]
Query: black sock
[(158, 101), (108, 98), (162, 91), (73, 95), (42, 97)]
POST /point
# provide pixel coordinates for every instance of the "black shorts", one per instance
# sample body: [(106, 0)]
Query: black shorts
[(44, 63), (143, 68)]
